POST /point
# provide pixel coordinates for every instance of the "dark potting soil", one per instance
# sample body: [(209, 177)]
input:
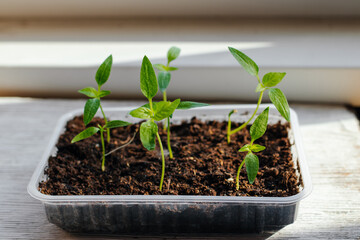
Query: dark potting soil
[(203, 163)]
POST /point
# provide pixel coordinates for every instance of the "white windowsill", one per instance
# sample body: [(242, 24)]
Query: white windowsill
[(61, 57)]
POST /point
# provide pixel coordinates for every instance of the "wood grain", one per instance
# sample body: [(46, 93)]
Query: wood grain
[(331, 138)]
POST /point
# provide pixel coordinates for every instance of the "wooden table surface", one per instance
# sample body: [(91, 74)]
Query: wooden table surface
[(331, 139)]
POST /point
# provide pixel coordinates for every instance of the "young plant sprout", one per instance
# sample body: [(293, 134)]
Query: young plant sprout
[(251, 160), (269, 81), (154, 111), (164, 77), (92, 105)]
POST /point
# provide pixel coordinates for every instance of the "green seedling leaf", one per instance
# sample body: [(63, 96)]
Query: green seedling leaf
[(148, 82), (160, 67), (184, 105), (247, 63), (161, 110), (141, 112), (90, 109), (148, 132), (103, 72), (147, 105), (259, 126), (252, 166), (164, 109), (170, 69), (260, 88), (173, 53), (257, 148), (103, 93), (164, 80), (278, 98), (272, 79), (245, 148), (116, 124), (85, 134), (89, 91)]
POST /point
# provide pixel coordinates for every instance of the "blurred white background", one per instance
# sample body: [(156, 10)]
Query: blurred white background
[(52, 49)]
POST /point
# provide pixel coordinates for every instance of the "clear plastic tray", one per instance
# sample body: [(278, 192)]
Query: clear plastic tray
[(159, 215)]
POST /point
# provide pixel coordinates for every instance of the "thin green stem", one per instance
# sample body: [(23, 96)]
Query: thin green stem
[(246, 123), (151, 104), (103, 149), (238, 175), (102, 111), (257, 76), (168, 139), (163, 161), (107, 130), (165, 99), (229, 130), (164, 96)]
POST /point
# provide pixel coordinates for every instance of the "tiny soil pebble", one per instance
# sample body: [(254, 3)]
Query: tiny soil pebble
[(203, 163)]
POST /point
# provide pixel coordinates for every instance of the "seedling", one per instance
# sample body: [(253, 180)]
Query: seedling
[(269, 81), (164, 77), (152, 112), (251, 161), (92, 105)]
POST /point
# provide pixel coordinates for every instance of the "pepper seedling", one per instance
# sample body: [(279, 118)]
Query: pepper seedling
[(251, 161), (92, 105), (164, 77), (269, 81), (154, 112)]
